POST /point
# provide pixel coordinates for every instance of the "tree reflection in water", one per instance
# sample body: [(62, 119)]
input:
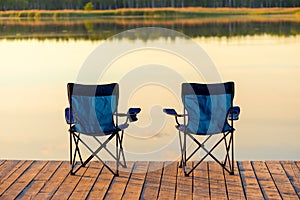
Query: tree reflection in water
[(103, 28)]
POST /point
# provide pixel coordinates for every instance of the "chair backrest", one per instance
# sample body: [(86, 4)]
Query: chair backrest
[(93, 107), (207, 106)]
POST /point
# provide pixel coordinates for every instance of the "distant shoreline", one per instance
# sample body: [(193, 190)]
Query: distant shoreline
[(149, 12)]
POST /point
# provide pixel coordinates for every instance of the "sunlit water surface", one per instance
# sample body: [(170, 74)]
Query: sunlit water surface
[(266, 70)]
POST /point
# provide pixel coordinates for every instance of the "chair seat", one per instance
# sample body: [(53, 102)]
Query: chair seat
[(182, 127), (120, 128)]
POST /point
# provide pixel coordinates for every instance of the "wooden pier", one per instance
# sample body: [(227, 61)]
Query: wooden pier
[(20, 179)]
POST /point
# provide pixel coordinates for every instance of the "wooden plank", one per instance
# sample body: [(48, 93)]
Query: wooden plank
[(55, 181), (13, 175), (234, 185), (265, 181), (293, 173), (69, 184), (47, 172), (119, 183), (298, 164), (281, 180), (6, 167), (136, 181), (216, 181), (152, 181), (40, 180), (184, 184), (10, 169), (101, 185), (87, 181), (44, 180), (249, 181), (201, 182), (168, 182), (20, 184)]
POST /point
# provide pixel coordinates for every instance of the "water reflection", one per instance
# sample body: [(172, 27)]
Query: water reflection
[(103, 28), (265, 69), (34, 74)]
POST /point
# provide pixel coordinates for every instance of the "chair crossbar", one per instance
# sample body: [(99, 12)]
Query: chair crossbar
[(121, 151), (104, 146), (199, 145), (76, 141), (208, 153), (95, 152), (228, 149)]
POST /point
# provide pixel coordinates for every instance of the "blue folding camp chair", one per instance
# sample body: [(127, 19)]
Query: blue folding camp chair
[(93, 111), (208, 110)]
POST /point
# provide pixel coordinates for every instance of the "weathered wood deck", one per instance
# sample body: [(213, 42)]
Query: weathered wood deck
[(149, 180)]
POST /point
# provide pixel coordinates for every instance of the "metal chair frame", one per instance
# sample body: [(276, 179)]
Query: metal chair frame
[(118, 134), (227, 138)]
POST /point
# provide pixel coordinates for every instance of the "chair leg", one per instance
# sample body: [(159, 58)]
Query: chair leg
[(76, 141), (121, 151), (71, 147), (184, 153), (227, 148), (117, 154), (181, 150), (230, 158), (73, 160), (71, 154), (232, 154)]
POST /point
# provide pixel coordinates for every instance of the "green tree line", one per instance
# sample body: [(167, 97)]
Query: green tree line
[(114, 4)]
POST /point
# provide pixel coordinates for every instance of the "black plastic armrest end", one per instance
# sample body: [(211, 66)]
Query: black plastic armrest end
[(69, 116), (132, 112), (234, 113), (170, 111)]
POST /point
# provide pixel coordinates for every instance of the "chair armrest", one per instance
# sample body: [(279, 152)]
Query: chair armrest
[(134, 110), (69, 116), (121, 114), (131, 114), (234, 113), (171, 111)]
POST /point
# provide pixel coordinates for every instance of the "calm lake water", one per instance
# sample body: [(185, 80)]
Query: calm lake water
[(265, 67)]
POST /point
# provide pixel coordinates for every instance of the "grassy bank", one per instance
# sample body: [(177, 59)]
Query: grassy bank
[(148, 12)]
